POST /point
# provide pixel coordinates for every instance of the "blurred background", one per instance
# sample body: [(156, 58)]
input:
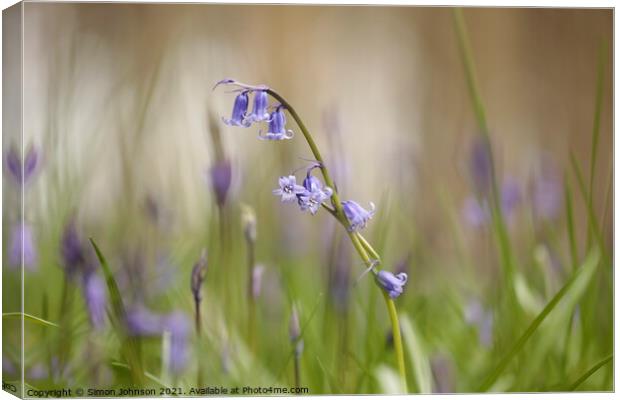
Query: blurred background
[(119, 106)]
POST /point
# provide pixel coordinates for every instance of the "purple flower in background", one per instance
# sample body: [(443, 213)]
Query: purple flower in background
[(259, 112), (357, 215), (475, 213), (95, 295), (480, 164), (547, 192), (277, 126), (289, 189), (142, 322), (179, 326), (393, 284), (220, 180), (14, 165), (477, 316), (511, 196), (240, 109), (71, 249), (23, 244)]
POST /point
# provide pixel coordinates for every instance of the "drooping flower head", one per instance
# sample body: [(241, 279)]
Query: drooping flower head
[(95, 295), (392, 284), (314, 195), (23, 247), (259, 111), (357, 215), (221, 174), (277, 126), (239, 112), (289, 189)]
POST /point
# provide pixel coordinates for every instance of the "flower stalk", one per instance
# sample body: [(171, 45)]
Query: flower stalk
[(369, 256)]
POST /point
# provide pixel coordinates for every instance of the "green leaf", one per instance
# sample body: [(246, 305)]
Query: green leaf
[(590, 263), (591, 371), (31, 318), (417, 355)]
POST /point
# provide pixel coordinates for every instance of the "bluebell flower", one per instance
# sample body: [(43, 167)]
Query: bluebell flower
[(23, 245), (142, 322), (178, 325), (393, 284), (220, 180), (95, 295), (14, 165), (314, 195), (240, 109), (480, 164), (71, 249), (277, 126), (289, 189), (511, 196), (259, 111), (357, 215)]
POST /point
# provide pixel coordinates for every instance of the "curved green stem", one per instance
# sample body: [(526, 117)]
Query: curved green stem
[(361, 245)]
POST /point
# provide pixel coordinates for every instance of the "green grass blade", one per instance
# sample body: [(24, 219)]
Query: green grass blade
[(130, 346), (501, 366), (592, 221), (596, 128), (570, 224), (28, 317), (418, 356), (591, 371)]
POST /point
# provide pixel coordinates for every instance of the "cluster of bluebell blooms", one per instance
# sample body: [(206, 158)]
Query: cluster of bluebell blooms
[(312, 193)]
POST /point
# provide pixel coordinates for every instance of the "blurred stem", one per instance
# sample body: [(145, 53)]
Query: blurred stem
[(590, 372), (496, 209), (250, 296), (361, 245)]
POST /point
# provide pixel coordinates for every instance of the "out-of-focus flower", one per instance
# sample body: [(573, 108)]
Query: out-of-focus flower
[(95, 295), (38, 372), (289, 189), (476, 315), (314, 195), (240, 109), (511, 196), (142, 322), (393, 284), (71, 249), (220, 180), (547, 192), (14, 165), (257, 280), (475, 212), (259, 111), (277, 126), (198, 276), (23, 244), (357, 215), (178, 325), (8, 368), (480, 164)]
